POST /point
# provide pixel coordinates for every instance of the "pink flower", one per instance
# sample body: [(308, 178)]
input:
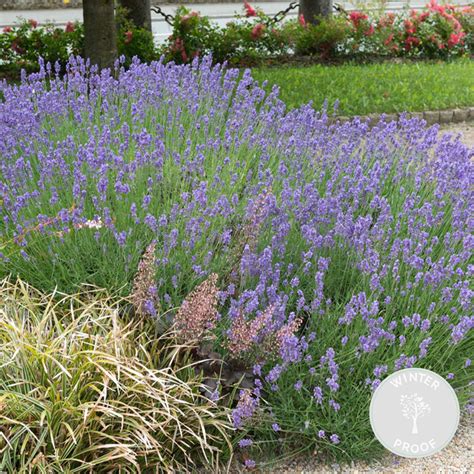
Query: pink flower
[(456, 25), (434, 7), (69, 27), (7, 29), (257, 31), (302, 21), (33, 23), (249, 10), (187, 17), (387, 20)]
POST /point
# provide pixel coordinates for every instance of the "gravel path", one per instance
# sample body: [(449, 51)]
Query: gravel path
[(466, 129), (457, 457)]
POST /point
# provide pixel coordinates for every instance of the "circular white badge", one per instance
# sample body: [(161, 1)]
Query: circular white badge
[(414, 413)]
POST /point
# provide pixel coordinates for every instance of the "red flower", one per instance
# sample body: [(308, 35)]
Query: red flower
[(410, 28), (410, 42), (388, 40), (455, 38), (128, 36), (7, 29), (17, 48), (302, 21), (357, 17), (249, 10), (69, 27), (257, 31), (423, 16), (178, 45), (33, 23), (370, 31)]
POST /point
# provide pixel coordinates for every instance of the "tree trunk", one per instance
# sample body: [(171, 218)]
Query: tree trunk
[(311, 9), (138, 11), (100, 32)]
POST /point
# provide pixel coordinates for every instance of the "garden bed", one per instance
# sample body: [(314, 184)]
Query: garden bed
[(295, 262)]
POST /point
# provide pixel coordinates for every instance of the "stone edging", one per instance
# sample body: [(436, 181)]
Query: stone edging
[(430, 116)]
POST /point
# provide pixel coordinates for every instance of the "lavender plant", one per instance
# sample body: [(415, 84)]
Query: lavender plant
[(352, 245)]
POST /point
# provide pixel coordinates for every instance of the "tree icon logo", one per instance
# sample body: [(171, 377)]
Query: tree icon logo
[(414, 412), (414, 407)]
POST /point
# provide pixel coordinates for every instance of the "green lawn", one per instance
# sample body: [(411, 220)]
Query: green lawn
[(370, 88)]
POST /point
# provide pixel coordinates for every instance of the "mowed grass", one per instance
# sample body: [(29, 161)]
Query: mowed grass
[(375, 88)]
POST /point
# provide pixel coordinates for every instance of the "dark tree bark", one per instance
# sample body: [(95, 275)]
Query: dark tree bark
[(138, 11), (311, 9), (100, 32)]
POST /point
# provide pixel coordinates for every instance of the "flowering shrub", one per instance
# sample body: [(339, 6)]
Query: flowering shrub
[(247, 38), (438, 31), (321, 39), (24, 43), (345, 249), (193, 35), (133, 41)]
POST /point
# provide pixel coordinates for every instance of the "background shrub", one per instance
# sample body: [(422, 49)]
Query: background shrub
[(321, 39), (22, 45), (133, 41), (438, 31)]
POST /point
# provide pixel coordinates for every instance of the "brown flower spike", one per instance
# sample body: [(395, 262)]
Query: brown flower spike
[(143, 282), (198, 312)]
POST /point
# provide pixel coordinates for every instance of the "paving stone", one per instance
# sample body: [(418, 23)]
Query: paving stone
[(372, 119), (431, 117), (445, 116), (391, 118), (417, 115), (460, 115)]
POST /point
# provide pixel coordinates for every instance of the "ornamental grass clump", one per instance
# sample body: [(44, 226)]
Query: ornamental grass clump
[(80, 392), (359, 239)]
